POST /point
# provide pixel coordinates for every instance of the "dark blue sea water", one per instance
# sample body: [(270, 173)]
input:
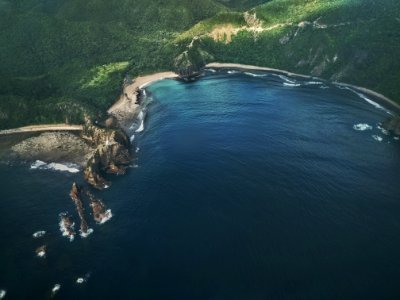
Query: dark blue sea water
[(245, 188)]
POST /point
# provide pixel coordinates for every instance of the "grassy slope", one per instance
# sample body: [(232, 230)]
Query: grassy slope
[(60, 58), (362, 48)]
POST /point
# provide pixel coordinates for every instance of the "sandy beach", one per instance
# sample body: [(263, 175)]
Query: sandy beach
[(393, 105), (126, 106)]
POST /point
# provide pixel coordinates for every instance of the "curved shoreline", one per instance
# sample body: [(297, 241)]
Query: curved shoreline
[(393, 105), (127, 104), (125, 108)]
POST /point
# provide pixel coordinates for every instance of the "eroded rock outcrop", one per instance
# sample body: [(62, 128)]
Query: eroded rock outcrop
[(100, 213), (112, 154), (392, 125), (75, 197), (67, 226)]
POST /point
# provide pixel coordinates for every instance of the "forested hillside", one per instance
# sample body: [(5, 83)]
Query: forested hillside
[(61, 58)]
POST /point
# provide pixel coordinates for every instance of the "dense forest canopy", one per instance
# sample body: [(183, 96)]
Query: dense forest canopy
[(60, 59)]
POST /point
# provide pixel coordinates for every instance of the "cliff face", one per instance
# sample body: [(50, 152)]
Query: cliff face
[(112, 154)]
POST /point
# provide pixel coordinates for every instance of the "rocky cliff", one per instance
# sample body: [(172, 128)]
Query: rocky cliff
[(112, 154)]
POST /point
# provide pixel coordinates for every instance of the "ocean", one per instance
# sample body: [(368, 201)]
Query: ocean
[(244, 186)]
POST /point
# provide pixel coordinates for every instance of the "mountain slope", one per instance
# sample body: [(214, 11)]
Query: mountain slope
[(351, 41), (62, 58)]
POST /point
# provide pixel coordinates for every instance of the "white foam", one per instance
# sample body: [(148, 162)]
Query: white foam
[(233, 72), (137, 149), (3, 293), (362, 127), (362, 96), (377, 138), (286, 79), (55, 289), (211, 70), (141, 127), (255, 75), (80, 280), (39, 234), (132, 138), (396, 138), (107, 216), (314, 83), (63, 168), (291, 84), (41, 254), (87, 233), (141, 115), (324, 87), (64, 231), (84, 279), (38, 164), (41, 165), (144, 93)]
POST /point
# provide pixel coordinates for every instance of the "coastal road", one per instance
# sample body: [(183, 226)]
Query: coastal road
[(42, 128)]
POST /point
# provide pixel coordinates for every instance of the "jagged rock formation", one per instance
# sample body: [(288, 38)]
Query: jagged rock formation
[(100, 214), (75, 196), (112, 154), (392, 125), (67, 226), (189, 63)]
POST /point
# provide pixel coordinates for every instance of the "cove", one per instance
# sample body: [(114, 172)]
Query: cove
[(245, 186)]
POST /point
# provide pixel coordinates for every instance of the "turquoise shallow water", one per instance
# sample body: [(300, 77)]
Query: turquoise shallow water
[(246, 186)]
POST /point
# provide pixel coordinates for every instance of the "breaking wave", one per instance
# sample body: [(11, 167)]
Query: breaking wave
[(377, 138), (383, 130), (141, 127), (55, 289), (39, 234), (83, 279), (291, 84), (313, 83), (365, 98), (87, 233), (286, 79), (233, 72), (255, 75), (362, 127), (68, 167), (107, 216)]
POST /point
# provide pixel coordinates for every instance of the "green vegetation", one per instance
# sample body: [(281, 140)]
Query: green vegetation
[(62, 58), (352, 41)]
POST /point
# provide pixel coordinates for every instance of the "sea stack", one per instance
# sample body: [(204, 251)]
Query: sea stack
[(100, 213), (75, 196)]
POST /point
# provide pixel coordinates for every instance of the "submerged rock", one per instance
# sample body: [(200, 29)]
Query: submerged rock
[(67, 226), (112, 154), (41, 251), (392, 125)]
